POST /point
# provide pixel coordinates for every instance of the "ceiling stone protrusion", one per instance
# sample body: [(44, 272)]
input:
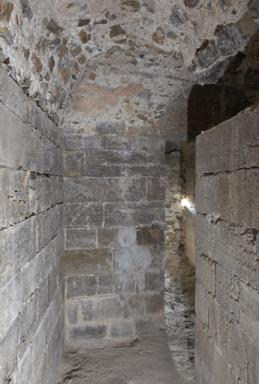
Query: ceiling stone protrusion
[(48, 46)]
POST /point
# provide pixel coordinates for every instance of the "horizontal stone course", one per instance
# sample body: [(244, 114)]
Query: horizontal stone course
[(80, 142), (81, 286), (113, 156), (150, 235), (26, 193), (32, 152), (114, 194), (28, 112), (153, 145), (77, 262), (31, 240), (230, 246), (81, 334), (109, 164), (228, 196), (119, 315), (102, 308), (27, 279), (133, 214), (83, 215), (17, 197), (230, 146), (104, 189)]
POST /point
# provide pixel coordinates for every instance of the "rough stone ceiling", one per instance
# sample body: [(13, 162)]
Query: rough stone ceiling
[(49, 45)]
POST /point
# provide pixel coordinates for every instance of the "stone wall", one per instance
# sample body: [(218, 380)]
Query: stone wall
[(31, 240), (227, 292), (114, 218)]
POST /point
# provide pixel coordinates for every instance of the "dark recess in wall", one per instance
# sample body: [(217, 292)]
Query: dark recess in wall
[(211, 104)]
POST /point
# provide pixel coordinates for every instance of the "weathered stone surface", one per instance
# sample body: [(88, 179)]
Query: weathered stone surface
[(154, 303), (229, 245), (17, 196), (227, 40), (83, 215), (191, 3), (82, 142), (150, 235), (104, 189), (72, 312), (107, 237), (218, 191), (100, 309), (117, 214), (81, 286), (232, 148), (155, 189), (86, 261), (47, 227), (153, 281), (176, 26), (118, 34), (24, 243), (81, 334), (227, 254), (78, 238), (112, 163), (136, 306), (31, 238), (106, 283), (74, 163)]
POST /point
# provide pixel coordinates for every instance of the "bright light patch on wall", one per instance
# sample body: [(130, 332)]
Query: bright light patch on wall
[(187, 203)]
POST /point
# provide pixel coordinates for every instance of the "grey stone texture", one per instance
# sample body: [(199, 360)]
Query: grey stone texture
[(74, 34), (227, 229), (31, 240), (179, 298), (114, 233), (122, 65)]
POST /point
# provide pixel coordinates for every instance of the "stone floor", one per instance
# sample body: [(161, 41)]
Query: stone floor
[(144, 361)]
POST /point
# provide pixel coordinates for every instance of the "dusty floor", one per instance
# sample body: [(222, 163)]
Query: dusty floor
[(145, 361), (179, 298)]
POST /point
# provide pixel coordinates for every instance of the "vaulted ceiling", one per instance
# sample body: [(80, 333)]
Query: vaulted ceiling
[(160, 45)]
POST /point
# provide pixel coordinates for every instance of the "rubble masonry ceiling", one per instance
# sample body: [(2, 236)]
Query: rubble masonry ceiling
[(48, 46)]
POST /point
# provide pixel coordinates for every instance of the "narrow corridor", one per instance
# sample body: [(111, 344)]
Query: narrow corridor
[(129, 191)]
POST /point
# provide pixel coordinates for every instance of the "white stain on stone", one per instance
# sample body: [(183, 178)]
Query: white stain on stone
[(131, 261)]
